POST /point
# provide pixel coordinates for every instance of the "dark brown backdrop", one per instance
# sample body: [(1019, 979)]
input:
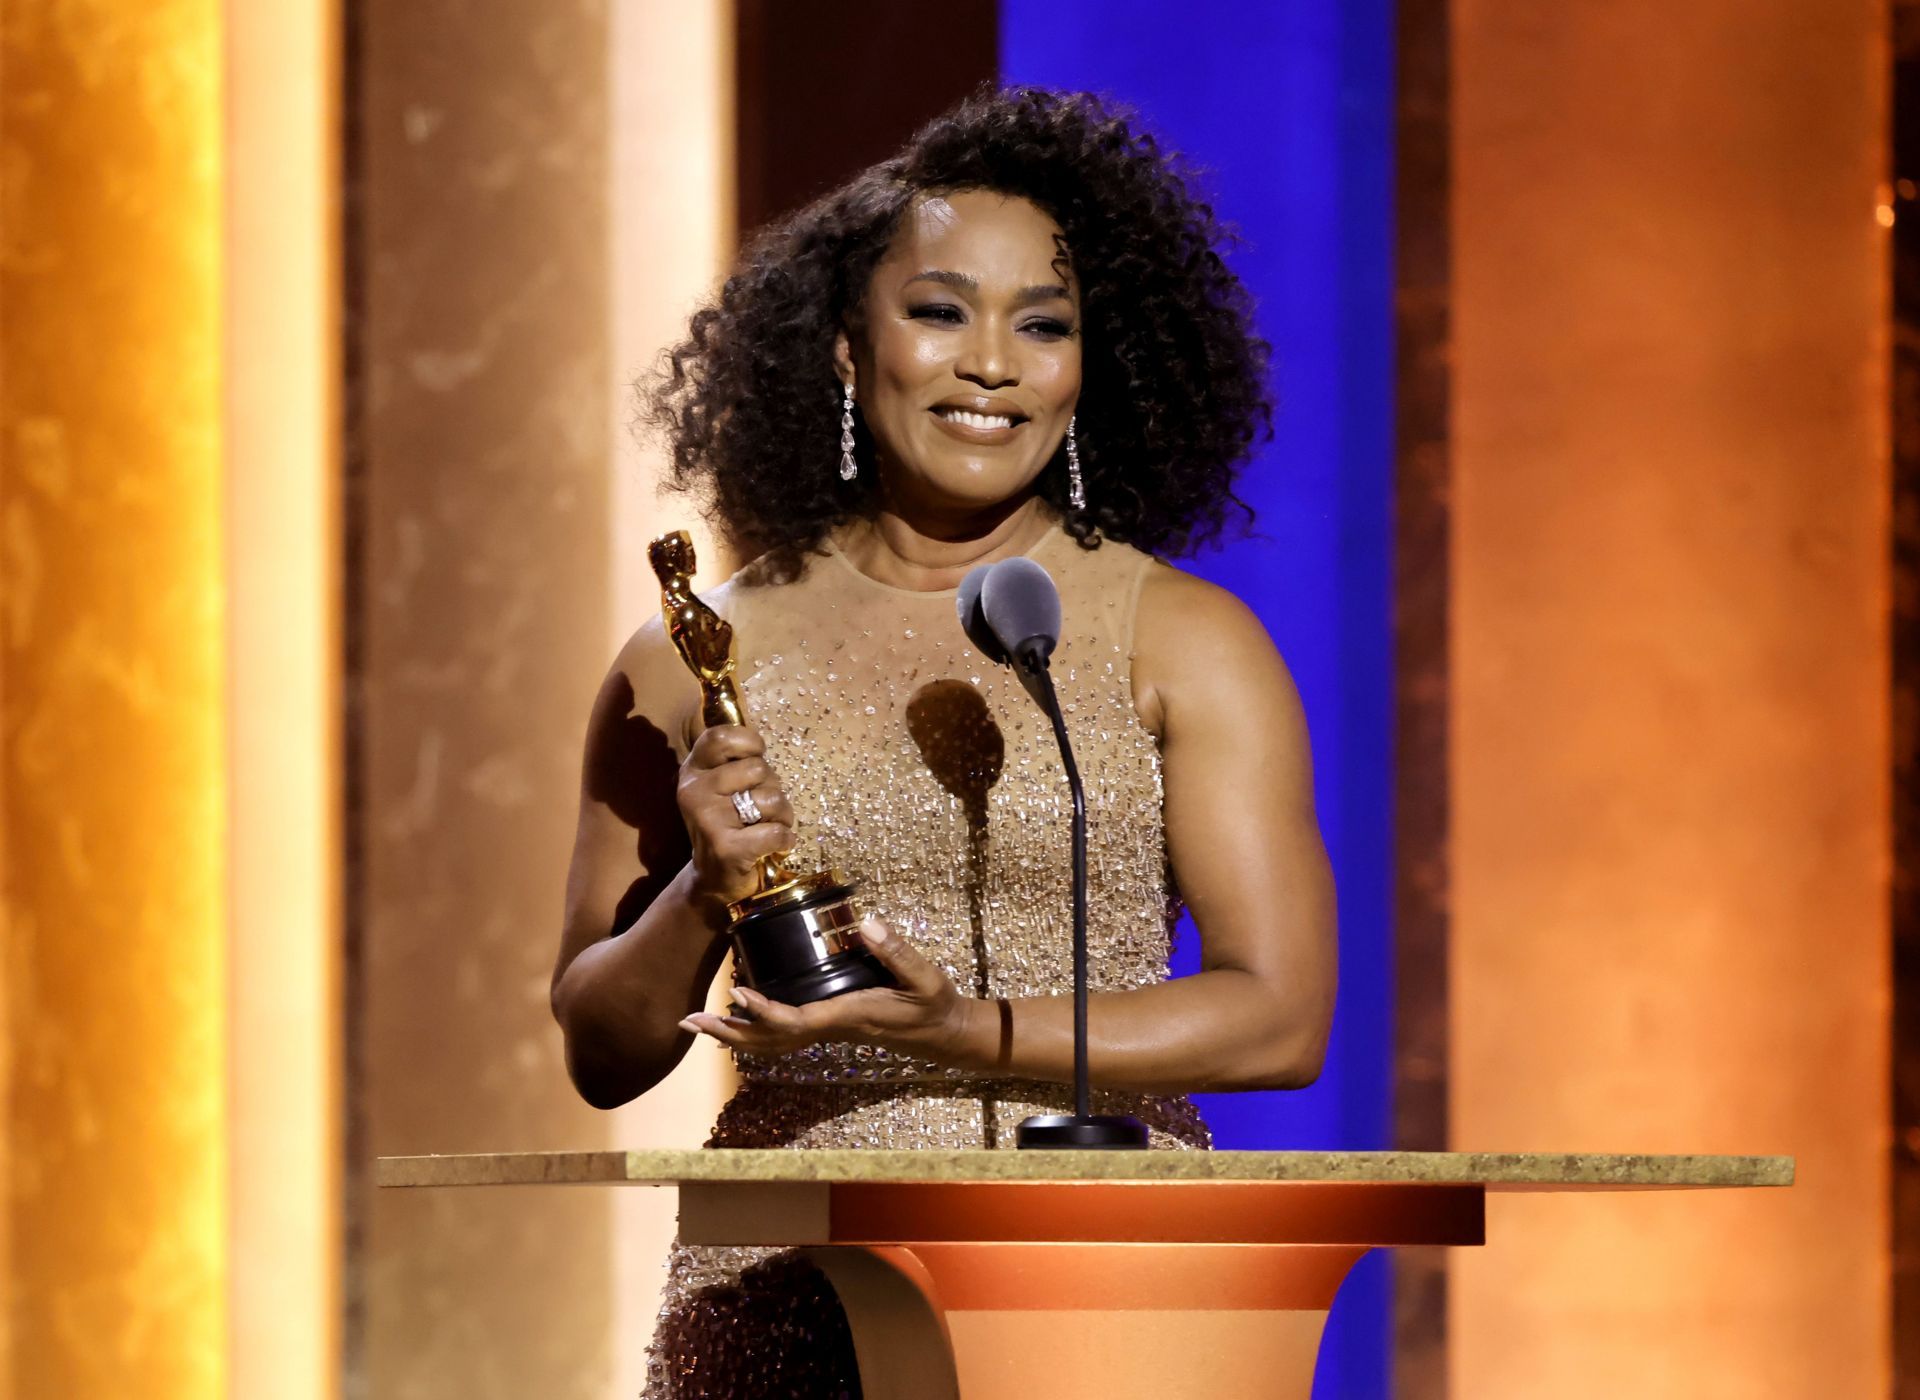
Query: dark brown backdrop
[(824, 90), (1422, 303), (1906, 699)]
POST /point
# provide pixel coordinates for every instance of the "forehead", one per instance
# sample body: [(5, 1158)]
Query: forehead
[(992, 237)]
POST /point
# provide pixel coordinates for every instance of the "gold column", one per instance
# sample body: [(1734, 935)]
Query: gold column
[(283, 548), (1670, 693), (112, 714), (671, 146)]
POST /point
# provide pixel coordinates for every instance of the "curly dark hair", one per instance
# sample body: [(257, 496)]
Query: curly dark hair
[(1173, 389)]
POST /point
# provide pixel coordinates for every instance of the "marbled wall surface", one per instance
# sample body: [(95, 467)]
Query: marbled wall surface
[(112, 711), (1670, 693), (478, 573)]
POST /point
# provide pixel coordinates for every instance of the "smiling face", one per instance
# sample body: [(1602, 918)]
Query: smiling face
[(968, 366)]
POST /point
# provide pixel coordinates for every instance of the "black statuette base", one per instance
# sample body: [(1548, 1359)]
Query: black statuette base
[(843, 972), (806, 950), (1097, 1131)]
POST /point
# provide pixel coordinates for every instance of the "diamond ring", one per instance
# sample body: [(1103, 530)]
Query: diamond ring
[(748, 809)]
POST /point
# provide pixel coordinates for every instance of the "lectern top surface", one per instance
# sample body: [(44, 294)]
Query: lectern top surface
[(1501, 1171)]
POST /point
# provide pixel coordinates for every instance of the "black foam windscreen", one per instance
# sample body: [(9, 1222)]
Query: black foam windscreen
[(1022, 606), (973, 619)]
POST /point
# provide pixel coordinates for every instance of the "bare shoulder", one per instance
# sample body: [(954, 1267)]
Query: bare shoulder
[(1195, 639), (1179, 609)]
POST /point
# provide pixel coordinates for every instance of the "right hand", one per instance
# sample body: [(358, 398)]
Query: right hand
[(726, 759)]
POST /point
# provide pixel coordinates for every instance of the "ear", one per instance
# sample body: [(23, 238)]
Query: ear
[(842, 356)]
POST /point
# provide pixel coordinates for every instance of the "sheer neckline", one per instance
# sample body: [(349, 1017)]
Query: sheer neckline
[(1054, 530)]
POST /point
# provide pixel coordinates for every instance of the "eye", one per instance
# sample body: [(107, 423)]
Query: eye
[(1048, 328), (935, 311)]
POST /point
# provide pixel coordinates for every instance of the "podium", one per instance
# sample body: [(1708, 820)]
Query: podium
[(984, 1275)]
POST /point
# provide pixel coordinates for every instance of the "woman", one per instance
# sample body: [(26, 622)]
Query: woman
[(1014, 337)]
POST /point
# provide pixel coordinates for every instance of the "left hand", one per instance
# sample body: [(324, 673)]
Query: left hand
[(924, 1016)]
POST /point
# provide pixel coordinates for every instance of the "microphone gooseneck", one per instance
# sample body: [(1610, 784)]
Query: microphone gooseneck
[(1011, 612)]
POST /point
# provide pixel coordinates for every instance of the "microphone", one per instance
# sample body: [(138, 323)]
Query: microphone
[(973, 617), (1022, 607), (1010, 611)]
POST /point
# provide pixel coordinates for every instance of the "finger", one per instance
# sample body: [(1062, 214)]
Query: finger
[(727, 1030), (775, 1016), (746, 844), (773, 805), (737, 1033), (740, 775), (725, 742), (722, 811), (836, 1018), (909, 966)]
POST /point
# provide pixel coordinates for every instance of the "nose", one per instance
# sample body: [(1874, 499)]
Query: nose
[(990, 356)]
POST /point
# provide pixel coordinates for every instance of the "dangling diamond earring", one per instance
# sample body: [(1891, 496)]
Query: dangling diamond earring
[(1076, 492), (848, 469)]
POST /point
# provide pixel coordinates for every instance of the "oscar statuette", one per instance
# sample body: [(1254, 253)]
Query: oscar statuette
[(796, 939)]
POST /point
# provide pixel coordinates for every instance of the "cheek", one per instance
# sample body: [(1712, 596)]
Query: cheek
[(906, 354), (1057, 377)]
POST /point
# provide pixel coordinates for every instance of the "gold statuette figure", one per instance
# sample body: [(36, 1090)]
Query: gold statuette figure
[(796, 938)]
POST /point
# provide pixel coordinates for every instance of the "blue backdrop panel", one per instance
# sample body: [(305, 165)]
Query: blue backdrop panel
[(1288, 108)]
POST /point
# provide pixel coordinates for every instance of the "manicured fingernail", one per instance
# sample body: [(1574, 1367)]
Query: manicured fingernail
[(748, 995), (875, 932), (690, 1026)]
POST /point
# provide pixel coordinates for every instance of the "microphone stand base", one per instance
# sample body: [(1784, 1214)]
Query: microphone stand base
[(1068, 1131)]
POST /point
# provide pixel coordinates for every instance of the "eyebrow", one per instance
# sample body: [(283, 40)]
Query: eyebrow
[(1044, 291)]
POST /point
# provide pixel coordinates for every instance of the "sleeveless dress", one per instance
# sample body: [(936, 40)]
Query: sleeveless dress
[(926, 773)]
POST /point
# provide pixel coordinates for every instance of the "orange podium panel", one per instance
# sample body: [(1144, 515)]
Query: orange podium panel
[(999, 1275)]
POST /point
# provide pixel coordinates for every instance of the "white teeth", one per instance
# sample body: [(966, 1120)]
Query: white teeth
[(986, 421)]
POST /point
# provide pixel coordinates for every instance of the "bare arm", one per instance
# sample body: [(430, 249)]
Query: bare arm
[(657, 853), (1247, 853)]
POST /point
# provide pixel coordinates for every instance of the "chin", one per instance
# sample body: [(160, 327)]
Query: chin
[(976, 485)]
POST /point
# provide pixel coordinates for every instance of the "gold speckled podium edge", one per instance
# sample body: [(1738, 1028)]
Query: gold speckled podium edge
[(1498, 1171)]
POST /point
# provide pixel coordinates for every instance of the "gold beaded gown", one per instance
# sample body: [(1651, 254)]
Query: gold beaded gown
[(925, 772)]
